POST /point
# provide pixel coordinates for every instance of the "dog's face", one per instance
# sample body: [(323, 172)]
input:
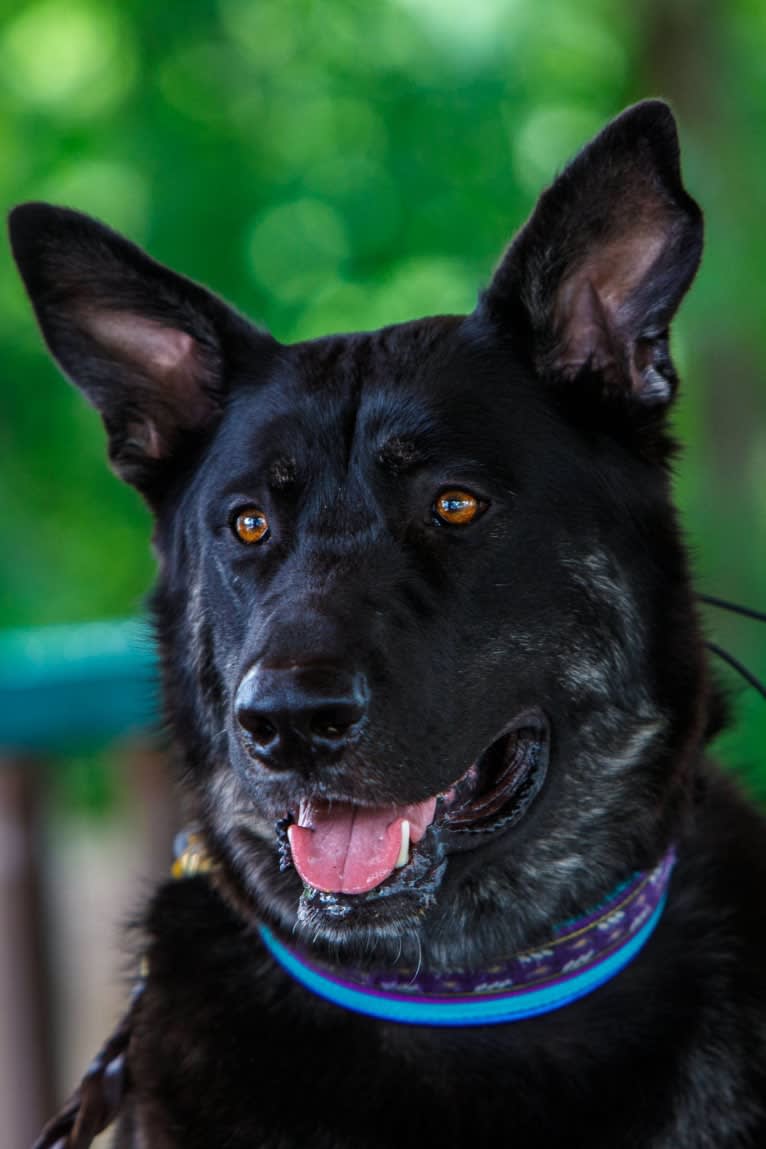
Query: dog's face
[(427, 636)]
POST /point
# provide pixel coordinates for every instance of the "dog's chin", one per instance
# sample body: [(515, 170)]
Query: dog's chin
[(483, 805)]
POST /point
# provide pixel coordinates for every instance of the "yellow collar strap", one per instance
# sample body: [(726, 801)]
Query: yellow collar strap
[(190, 855)]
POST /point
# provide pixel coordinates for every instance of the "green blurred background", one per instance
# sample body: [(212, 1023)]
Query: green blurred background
[(337, 164)]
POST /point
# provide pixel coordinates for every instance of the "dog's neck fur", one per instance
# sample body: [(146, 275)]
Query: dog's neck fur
[(581, 955)]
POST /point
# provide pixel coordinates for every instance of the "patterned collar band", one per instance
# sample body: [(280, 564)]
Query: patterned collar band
[(582, 955)]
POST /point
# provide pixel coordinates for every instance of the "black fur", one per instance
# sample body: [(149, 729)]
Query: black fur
[(570, 594)]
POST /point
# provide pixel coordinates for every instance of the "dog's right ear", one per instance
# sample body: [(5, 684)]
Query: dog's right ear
[(145, 345), (595, 276)]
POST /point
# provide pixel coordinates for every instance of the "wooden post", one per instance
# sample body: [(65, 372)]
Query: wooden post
[(149, 775), (26, 1045)]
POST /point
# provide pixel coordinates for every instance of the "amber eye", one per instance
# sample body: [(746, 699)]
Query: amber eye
[(458, 508), (251, 525)]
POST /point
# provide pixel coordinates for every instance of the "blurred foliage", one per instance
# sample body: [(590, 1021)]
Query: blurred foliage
[(341, 164), (86, 784)]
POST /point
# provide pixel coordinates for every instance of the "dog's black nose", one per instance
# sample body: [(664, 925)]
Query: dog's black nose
[(296, 717)]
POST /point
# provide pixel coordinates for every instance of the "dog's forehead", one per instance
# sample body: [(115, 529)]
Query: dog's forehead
[(408, 392)]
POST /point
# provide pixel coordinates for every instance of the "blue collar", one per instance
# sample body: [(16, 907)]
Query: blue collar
[(582, 955)]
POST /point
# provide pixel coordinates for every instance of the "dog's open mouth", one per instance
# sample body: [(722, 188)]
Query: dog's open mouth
[(341, 849)]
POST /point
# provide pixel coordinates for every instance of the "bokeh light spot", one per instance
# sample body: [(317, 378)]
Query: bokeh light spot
[(205, 83), (68, 57), (468, 29), (294, 247), (111, 191), (426, 285), (263, 31), (547, 138), (415, 287)]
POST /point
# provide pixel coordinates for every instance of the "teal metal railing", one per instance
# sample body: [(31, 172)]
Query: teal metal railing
[(75, 686)]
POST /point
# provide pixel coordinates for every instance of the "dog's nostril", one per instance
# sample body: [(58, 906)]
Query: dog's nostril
[(262, 730), (329, 723)]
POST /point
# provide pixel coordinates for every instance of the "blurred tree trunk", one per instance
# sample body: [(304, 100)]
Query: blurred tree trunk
[(678, 46), (686, 54), (26, 1021)]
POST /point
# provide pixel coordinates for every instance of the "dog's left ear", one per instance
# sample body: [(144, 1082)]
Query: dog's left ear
[(145, 345), (596, 274)]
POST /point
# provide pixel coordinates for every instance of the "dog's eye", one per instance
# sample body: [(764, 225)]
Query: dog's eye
[(250, 525), (457, 508)]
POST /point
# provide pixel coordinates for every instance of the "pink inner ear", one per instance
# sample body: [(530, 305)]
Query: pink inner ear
[(589, 302), (156, 350), (167, 348), (163, 369)]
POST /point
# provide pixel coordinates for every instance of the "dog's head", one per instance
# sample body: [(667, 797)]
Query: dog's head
[(425, 621)]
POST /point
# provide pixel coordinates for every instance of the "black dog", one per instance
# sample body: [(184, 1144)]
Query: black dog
[(434, 671)]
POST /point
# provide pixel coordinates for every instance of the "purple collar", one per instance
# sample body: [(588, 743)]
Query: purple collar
[(582, 955)]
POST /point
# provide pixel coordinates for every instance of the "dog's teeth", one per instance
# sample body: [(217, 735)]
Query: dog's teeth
[(404, 849)]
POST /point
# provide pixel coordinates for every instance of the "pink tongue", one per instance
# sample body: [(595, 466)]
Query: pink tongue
[(341, 848)]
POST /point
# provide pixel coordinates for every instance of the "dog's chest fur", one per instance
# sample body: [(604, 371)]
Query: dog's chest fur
[(223, 1032)]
